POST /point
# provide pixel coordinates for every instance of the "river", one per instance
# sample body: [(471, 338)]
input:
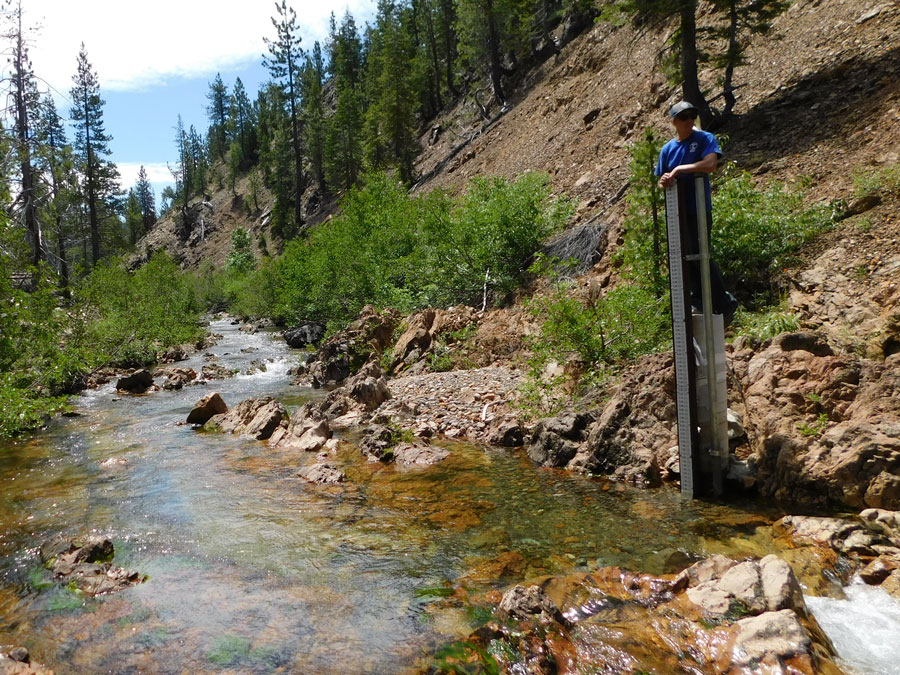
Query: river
[(253, 570)]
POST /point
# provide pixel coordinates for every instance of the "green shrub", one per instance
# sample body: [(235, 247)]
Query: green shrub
[(594, 335), (756, 232), (115, 317), (390, 248), (767, 322)]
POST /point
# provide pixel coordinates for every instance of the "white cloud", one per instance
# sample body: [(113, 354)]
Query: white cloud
[(134, 45), (156, 173)]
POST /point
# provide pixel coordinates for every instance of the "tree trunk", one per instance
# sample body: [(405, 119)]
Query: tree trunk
[(447, 9), (734, 50), (435, 61), (32, 226), (94, 221), (496, 67), (690, 83), (297, 148)]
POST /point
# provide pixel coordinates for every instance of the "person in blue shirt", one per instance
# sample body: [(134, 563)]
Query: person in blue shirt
[(693, 152)]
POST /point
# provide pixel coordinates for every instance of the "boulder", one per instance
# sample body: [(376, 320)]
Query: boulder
[(206, 408), (419, 454), (360, 395), (530, 602), (307, 431), (323, 473), (177, 378), (87, 564), (876, 571), (307, 334), (378, 440), (254, 417), (213, 371), (136, 383), (505, 432), (772, 635), (556, 440)]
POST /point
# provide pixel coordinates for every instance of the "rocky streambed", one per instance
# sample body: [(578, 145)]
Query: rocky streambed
[(360, 529)]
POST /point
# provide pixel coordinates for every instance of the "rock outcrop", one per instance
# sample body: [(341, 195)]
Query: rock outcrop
[(825, 426), (345, 352), (307, 430), (308, 334), (869, 543), (137, 382), (256, 417), (206, 408), (717, 616), (88, 565)]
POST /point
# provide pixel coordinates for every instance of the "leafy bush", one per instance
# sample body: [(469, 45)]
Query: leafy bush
[(767, 322), (756, 232), (133, 315), (592, 336), (390, 248), (116, 317), (869, 182)]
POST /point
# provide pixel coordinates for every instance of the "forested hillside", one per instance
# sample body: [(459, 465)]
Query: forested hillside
[(439, 94)]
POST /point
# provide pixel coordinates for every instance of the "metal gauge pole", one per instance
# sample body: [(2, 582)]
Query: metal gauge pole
[(709, 335), (683, 341)]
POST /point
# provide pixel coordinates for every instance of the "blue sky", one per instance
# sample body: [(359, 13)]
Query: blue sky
[(155, 61)]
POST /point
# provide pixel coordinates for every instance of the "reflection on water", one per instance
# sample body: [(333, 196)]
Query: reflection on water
[(251, 569)]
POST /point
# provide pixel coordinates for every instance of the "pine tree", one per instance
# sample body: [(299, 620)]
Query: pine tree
[(284, 63), (147, 201), (217, 112), (134, 219), (23, 91), (314, 114), (199, 161), (182, 172), (343, 142), (242, 123), (57, 164), (391, 138), (100, 176)]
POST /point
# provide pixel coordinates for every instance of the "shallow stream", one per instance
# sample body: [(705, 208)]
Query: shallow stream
[(253, 570)]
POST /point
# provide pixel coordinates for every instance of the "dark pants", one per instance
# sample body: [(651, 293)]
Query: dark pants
[(722, 300)]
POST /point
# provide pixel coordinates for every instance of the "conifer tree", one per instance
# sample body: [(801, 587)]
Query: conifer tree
[(99, 176), (199, 162), (242, 123), (133, 217), (147, 201), (217, 112), (57, 164), (391, 138), (23, 92), (343, 142), (314, 114), (284, 63)]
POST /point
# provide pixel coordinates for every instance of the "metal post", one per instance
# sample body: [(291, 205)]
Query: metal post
[(717, 408)]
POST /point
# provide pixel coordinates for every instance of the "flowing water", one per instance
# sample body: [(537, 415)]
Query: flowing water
[(253, 570)]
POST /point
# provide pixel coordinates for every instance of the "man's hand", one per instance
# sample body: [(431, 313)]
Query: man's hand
[(667, 179)]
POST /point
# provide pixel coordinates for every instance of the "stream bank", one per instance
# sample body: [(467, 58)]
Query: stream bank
[(253, 569)]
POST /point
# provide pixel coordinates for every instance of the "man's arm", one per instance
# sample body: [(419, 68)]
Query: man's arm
[(706, 165)]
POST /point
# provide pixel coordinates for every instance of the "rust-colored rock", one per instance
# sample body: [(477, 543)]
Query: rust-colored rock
[(207, 407)]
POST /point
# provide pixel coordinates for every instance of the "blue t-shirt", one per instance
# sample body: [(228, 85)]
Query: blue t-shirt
[(689, 151)]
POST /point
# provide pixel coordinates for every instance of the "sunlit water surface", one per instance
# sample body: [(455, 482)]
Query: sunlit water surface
[(253, 570)]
